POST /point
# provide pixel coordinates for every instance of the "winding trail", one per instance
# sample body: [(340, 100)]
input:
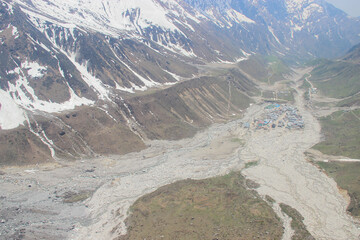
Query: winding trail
[(118, 181)]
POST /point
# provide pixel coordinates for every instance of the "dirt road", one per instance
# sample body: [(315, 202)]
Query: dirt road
[(32, 203)]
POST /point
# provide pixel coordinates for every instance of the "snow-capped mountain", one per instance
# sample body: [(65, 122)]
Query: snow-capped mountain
[(61, 55), (296, 27)]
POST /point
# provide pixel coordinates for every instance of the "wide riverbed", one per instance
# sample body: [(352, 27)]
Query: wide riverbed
[(32, 198)]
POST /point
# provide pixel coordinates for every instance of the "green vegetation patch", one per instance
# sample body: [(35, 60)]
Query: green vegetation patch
[(73, 197), (238, 140), (323, 104), (297, 224), (216, 208), (251, 164), (342, 134), (269, 199), (269, 94), (347, 176), (305, 85), (306, 95)]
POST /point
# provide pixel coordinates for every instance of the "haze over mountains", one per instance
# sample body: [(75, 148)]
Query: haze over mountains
[(72, 72)]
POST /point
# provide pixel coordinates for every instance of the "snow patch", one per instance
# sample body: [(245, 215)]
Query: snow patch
[(96, 84), (106, 16), (147, 83), (176, 48), (309, 10), (176, 77), (9, 6), (211, 15), (15, 32), (42, 136), (297, 28), (24, 95), (34, 69), (129, 90), (114, 17), (90, 80), (247, 55), (238, 17), (185, 24), (44, 47), (295, 5), (107, 113), (236, 60), (271, 30), (11, 115), (169, 83)]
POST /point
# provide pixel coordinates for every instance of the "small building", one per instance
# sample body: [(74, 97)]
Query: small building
[(261, 123)]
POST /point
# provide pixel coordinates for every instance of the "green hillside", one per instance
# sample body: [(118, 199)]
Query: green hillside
[(337, 79), (215, 208), (342, 134)]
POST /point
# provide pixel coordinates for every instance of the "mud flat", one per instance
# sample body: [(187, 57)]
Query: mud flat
[(47, 201)]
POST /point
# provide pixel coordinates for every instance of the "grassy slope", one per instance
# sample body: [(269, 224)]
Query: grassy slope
[(336, 79), (181, 110), (21, 146), (216, 208), (267, 69), (342, 134), (276, 68), (255, 66)]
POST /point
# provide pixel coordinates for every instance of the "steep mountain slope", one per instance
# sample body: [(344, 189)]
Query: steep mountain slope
[(94, 60), (339, 78), (123, 126), (305, 28), (353, 55), (167, 24)]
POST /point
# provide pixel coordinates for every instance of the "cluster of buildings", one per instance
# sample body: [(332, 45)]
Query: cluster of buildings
[(276, 115)]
